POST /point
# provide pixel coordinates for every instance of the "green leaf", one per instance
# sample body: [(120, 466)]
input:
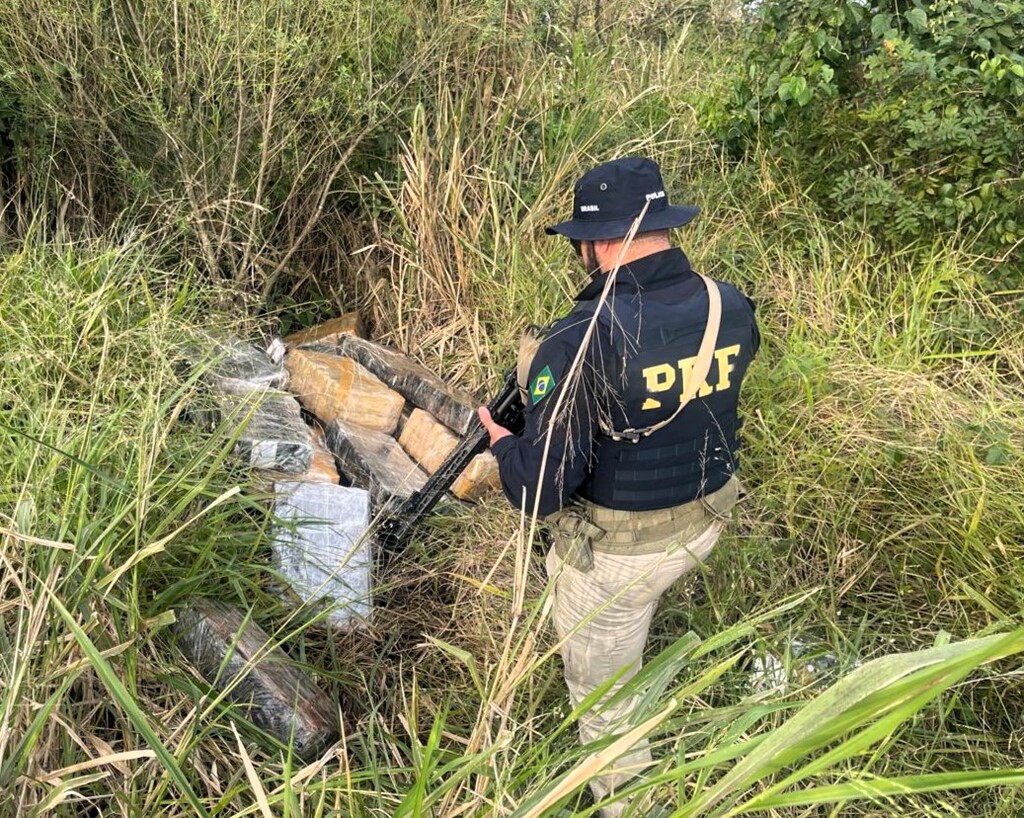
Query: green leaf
[(892, 787), (918, 19), (873, 699), (997, 455), (880, 25)]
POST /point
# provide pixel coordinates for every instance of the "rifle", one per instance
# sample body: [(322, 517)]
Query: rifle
[(398, 522)]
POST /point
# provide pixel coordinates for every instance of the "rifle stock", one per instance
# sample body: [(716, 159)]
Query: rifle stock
[(398, 521)]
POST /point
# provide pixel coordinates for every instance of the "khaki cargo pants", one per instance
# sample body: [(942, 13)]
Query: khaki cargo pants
[(609, 569)]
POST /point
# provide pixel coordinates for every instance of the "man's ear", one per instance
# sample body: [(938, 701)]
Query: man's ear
[(607, 251)]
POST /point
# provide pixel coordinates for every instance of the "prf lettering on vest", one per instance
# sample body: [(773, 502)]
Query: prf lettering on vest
[(662, 377)]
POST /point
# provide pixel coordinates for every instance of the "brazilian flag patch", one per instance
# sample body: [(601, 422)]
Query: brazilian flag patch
[(542, 385)]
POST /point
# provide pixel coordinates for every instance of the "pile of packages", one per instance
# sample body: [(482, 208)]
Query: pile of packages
[(339, 427)]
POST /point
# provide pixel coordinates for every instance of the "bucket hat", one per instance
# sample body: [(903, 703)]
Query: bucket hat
[(608, 198)]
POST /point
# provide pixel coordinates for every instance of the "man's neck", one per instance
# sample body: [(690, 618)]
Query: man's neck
[(621, 253)]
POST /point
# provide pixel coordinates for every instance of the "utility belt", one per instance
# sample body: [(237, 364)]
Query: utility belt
[(583, 527)]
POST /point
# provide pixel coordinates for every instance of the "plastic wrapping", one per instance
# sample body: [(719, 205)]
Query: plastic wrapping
[(274, 693), (320, 548)]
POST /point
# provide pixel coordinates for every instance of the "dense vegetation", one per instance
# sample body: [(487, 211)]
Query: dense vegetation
[(256, 166), (899, 118)]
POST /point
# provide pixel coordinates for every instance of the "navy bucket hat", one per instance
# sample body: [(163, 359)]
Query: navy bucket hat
[(609, 197)]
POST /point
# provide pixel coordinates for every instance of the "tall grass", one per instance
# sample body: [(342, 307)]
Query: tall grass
[(884, 427), (112, 511), (883, 451), (228, 128)]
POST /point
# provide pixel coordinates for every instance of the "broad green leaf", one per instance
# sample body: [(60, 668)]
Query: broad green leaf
[(874, 788), (918, 19), (855, 700), (881, 24)]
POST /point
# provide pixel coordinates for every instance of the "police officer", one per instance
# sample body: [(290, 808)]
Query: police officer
[(632, 434)]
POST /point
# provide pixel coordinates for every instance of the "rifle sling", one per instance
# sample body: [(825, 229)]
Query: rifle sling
[(698, 372)]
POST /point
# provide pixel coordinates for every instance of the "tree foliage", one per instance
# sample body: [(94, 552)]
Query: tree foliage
[(902, 117)]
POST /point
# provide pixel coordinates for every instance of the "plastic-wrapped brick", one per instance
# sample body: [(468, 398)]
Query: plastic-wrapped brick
[(320, 548), (273, 435), (374, 460), (232, 654), (241, 368)]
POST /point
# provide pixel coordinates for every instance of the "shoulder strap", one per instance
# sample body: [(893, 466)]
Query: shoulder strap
[(698, 372)]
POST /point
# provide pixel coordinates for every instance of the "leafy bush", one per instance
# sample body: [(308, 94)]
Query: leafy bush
[(902, 118)]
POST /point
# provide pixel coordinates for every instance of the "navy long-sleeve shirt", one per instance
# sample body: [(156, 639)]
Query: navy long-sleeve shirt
[(528, 460)]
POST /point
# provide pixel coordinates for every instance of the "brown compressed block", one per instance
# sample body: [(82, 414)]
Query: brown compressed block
[(337, 388), (374, 461), (322, 468), (478, 478), (277, 696), (350, 323), (453, 407), (426, 440)]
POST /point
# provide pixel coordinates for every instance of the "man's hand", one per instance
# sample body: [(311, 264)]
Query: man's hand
[(493, 429)]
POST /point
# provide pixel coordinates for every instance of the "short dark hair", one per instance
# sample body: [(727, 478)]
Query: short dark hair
[(654, 234)]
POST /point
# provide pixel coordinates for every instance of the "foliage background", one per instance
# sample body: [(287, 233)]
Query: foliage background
[(902, 119), (258, 166)]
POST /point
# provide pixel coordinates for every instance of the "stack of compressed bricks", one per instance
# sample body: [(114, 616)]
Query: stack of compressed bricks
[(237, 657), (389, 423), (319, 549), (385, 420)]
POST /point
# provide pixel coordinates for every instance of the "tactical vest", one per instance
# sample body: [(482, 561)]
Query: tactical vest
[(646, 353)]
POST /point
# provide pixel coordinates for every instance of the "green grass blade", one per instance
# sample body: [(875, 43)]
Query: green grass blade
[(887, 788), (106, 478), (851, 702), (127, 703)]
